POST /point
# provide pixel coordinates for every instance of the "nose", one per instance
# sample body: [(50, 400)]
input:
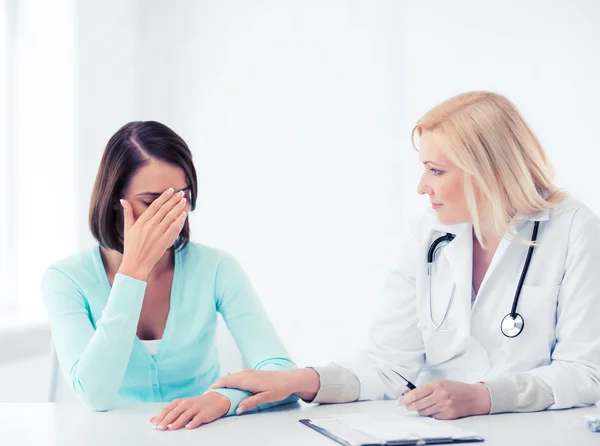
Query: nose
[(423, 187)]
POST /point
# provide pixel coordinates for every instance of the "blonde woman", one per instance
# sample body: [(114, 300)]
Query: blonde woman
[(494, 304)]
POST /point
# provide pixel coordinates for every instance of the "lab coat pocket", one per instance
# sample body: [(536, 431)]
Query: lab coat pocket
[(537, 306), (440, 345)]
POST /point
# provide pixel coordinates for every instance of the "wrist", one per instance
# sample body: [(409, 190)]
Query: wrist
[(222, 402), (306, 383), (219, 401), (483, 402), (133, 271)]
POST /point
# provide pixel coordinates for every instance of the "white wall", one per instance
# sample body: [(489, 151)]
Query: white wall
[(543, 55), (299, 115), (290, 110), (38, 209), (25, 380)]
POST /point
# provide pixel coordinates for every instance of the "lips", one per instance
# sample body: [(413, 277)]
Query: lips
[(436, 205)]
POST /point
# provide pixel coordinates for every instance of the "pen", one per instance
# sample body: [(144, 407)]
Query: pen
[(410, 385)]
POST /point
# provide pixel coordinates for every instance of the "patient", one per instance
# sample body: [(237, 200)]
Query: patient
[(134, 318)]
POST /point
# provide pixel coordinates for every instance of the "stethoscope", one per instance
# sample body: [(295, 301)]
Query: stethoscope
[(512, 324)]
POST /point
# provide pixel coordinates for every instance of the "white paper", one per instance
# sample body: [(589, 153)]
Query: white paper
[(343, 431), (398, 426)]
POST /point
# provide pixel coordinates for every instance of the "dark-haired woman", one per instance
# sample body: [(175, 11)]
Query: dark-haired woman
[(134, 318)]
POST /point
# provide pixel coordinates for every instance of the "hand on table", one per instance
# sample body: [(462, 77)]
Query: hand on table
[(270, 386), (447, 400), (191, 412)]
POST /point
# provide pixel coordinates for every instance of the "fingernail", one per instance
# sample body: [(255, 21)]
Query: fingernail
[(240, 410), (187, 426), (180, 193), (122, 202), (169, 426), (154, 426), (170, 190), (400, 401)]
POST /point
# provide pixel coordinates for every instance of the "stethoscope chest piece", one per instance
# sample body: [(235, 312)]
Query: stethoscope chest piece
[(512, 326)]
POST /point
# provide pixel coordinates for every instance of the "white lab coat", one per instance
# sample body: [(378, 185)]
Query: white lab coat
[(560, 304)]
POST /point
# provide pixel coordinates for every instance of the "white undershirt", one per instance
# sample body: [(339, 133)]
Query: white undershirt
[(152, 346)]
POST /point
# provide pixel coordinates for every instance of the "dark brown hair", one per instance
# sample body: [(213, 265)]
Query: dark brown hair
[(128, 150)]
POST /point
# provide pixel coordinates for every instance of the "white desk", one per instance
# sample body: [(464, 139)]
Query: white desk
[(73, 425)]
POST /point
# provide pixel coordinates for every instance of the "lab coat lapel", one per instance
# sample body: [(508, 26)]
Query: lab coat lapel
[(500, 252), (517, 225), (459, 254)]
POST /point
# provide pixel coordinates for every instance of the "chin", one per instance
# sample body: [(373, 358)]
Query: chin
[(445, 219), (451, 220)]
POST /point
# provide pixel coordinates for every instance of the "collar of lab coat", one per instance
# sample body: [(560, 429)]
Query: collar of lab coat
[(460, 250), (520, 218), (517, 221)]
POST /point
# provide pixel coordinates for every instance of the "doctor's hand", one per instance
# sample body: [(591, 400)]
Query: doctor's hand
[(271, 386), (191, 412), (448, 400)]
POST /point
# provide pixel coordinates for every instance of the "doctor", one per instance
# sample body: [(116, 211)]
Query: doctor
[(495, 303)]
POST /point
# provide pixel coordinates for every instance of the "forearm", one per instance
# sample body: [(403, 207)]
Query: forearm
[(236, 396), (331, 384), (96, 369), (519, 392)]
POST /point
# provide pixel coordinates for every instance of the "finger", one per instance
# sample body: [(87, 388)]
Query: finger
[(175, 229), (162, 212), (220, 383), (171, 416), (235, 381), (423, 403), (172, 215), (432, 411), (183, 419), (254, 401), (164, 411), (127, 215), (196, 421), (416, 394), (156, 205)]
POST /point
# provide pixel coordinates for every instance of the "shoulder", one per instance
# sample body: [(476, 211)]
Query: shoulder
[(202, 261), (204, 256), (78, 269), (575, 218)]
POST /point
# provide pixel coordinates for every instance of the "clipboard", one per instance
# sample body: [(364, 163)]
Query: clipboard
[(345, 434)]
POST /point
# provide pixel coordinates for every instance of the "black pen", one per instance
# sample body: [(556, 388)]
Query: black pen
[(410, 385)]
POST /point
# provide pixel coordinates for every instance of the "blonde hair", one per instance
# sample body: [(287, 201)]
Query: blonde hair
[(505, 168)]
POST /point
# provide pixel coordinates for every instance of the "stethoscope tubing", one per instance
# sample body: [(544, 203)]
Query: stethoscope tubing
[(513, 310), (448, 237)]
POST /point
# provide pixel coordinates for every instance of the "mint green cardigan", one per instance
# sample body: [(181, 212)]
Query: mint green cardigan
[(94, 329)]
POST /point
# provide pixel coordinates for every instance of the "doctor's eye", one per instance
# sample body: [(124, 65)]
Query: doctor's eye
[(436, 172)]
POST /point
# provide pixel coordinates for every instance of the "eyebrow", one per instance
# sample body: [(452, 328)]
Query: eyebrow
[(431, 162), (158, 194)]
